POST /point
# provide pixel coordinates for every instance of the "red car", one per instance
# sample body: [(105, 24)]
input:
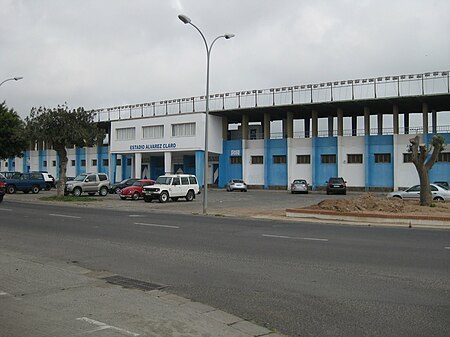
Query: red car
[(2, 187), (135, 191)]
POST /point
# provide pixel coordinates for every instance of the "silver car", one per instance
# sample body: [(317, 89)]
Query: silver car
[(437, 193), (236, 185), (299, 186)]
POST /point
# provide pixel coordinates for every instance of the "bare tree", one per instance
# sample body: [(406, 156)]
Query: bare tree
[(423, 162)]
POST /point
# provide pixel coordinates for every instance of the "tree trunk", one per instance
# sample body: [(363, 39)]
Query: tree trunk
[(425, 190), (62, 153)]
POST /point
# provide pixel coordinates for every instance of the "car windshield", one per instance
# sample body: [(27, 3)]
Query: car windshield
[(80, 177), (335, 180), (164, 180), (137, 183), (238, 181)]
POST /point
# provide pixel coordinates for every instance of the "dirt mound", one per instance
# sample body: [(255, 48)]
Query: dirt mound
[(375, 204)]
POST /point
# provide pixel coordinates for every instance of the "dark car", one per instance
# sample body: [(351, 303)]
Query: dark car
[(336, 185), (2, 186), (117, 187)]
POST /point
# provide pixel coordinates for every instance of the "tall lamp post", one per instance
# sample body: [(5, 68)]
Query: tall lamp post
[(186, 20), (11, 79)]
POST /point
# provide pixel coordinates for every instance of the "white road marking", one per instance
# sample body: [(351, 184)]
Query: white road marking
[(446, 247), (103, 326), (6, 209), (292, 237), (155, 225), (2, 293), (136, 216), (66, 216)]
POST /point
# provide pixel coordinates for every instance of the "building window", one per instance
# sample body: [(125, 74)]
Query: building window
[(279, 159), (152, 132), (83, 162), (382, 158), (126, 134), (236, 160), (407, 157), (304, 159), (119, 162), (444, 157), (94, 162), (354, 158), (328, 159), (6, 164), (72, 162), (183, 130), (105, 162), (128, 161), (44, 163), (13, 164), (257, 159), (54, 163)]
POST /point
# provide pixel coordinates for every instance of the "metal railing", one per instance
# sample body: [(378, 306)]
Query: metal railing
[(430, 83)]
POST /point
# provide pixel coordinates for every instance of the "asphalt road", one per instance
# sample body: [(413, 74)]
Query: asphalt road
[(301, 279)]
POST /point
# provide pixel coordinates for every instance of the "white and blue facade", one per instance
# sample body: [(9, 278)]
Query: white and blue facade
[(268, 138)]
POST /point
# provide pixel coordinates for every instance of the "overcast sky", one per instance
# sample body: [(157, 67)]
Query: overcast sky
[(105, 53)]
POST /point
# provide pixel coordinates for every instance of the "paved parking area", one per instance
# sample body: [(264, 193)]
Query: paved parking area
[(220, 202)]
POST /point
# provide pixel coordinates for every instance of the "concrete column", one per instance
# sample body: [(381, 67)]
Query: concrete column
[(340, 121), (366, 121), (137, 165), (224, 128), (315, 123), (330, 126), (290, 124), (307, 127), (168, 162), (380, 123), (266, 125), (244, 127), (354, 126), (425, 118), (434, 121), (406, 122), (395, 117)]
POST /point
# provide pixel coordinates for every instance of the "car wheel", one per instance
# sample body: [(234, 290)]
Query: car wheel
[(245, 190), (11, 189), (35, 189), (117, 190), (77, 191), (438, 198), (135, 196), (48, 187), (147, 199), (190, 195), (103, 191), (1, 198), (163, 197)]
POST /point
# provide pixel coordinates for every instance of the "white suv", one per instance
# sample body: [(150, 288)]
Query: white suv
[(173, 186)]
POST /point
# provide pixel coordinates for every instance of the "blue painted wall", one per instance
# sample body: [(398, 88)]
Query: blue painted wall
[(380, 174), (189, 164), (227, 170), (25, 160), (126, 169), (42, 154), (440, 170), (276, 173), (102, 153), (156, 167), (199, 163), (80, 154), (322, 172)]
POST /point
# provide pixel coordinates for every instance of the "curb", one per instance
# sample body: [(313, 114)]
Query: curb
[(421, 221)]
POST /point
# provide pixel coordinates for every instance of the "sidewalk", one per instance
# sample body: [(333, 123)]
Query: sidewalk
[(46, 298)]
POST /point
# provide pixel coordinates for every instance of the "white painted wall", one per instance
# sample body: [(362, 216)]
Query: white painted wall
[(354, 174), (193, 143), (405, 173), (253, 174), (299, 146)]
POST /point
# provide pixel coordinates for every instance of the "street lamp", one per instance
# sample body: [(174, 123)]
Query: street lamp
[(11, 79), (186, 20)]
